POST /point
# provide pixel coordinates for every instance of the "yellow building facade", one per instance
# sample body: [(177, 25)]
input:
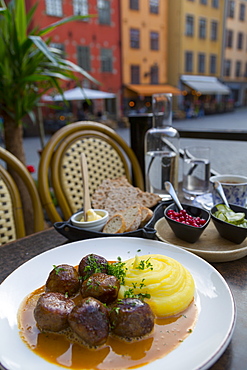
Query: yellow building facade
[(235, 60), (195, 50)]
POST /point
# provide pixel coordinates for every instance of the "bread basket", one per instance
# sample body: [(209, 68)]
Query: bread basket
[(74, 233)]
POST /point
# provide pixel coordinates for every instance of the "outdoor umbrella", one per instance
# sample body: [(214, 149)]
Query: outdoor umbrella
[(80, 94)]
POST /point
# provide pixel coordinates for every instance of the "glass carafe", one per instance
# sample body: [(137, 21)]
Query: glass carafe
[(161, 148)]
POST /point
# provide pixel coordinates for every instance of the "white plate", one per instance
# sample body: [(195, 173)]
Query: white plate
[(210, 337)]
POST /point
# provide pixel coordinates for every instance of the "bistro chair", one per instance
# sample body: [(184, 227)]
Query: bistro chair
[(11, 209), (107, 154)]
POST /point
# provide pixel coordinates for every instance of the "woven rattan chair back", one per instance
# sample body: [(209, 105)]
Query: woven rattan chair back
[(108, 156), (11, 210), (11, 216)]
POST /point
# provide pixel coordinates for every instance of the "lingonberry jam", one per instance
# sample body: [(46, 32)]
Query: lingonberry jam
[(185, 218)]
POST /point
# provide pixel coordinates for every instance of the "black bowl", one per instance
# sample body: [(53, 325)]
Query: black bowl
[(187, 232), (229, 231)]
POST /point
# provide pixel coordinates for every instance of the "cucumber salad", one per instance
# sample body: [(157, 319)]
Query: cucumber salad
[(224, 213)]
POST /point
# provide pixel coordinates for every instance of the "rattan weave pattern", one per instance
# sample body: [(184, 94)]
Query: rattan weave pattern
[(103, 162), (7, 223)]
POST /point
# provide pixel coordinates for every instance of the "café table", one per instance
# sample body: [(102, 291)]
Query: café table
[(14, 254)]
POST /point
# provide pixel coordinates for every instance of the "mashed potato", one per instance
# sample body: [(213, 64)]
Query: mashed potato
[(170, 285)]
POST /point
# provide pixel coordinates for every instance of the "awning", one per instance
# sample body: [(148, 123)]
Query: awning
[(80, 94), (148, 90), (205, 85)]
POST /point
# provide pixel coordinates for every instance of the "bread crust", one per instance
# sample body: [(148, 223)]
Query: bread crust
[(147, 214), (115, 225), (133, 217)]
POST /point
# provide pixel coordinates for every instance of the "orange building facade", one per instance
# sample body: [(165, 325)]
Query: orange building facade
[(144, 52)]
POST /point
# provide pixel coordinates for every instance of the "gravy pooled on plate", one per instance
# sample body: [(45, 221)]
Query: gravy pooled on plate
[(171, 328)]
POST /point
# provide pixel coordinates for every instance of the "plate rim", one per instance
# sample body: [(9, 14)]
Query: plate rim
[(214, 356)]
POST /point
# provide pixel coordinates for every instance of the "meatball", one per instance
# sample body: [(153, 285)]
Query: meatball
[(52, 310), (101, 286), (90, 321), (63, 279), (131, 318), (92, 263)]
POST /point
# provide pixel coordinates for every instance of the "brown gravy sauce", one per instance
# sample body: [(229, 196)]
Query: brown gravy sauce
[(116, 354)]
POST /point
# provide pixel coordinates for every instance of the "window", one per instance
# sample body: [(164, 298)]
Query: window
[(106, 60), (229, 38), (134, 74), (80, 7), (154, 6), (189, 31), (104, 12), (154, 41), (83, 57), (188, 61), (214, 30), (215, 3), (154, 71), (201, 63), (238, 69), (134, 4), (202, 28), (212, 65), (231, 9), (242, 12), (204, 2), (240, 40), (134, 38), (54, 7), (227, 67)]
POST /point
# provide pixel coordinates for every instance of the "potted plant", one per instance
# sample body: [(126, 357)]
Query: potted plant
[(28, 69)]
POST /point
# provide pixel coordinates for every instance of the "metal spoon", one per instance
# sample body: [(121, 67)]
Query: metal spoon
[(173, 194), (219, 189)]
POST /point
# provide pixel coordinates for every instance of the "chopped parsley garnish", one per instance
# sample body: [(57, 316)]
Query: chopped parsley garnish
[(145, 264), (58, 269), (93, 266), (130, 293), (116, 309), (118, 270)]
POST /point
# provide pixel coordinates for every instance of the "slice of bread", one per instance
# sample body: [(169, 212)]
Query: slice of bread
[(120, 198), (115, 225), (115, 195), (107, 185), (129, 219), (147, 214), (132, 217)]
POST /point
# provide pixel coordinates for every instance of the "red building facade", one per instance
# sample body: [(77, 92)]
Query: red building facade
[(93, 43)]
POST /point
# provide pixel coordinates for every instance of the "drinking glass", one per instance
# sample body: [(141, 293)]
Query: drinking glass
[(196, 171)]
